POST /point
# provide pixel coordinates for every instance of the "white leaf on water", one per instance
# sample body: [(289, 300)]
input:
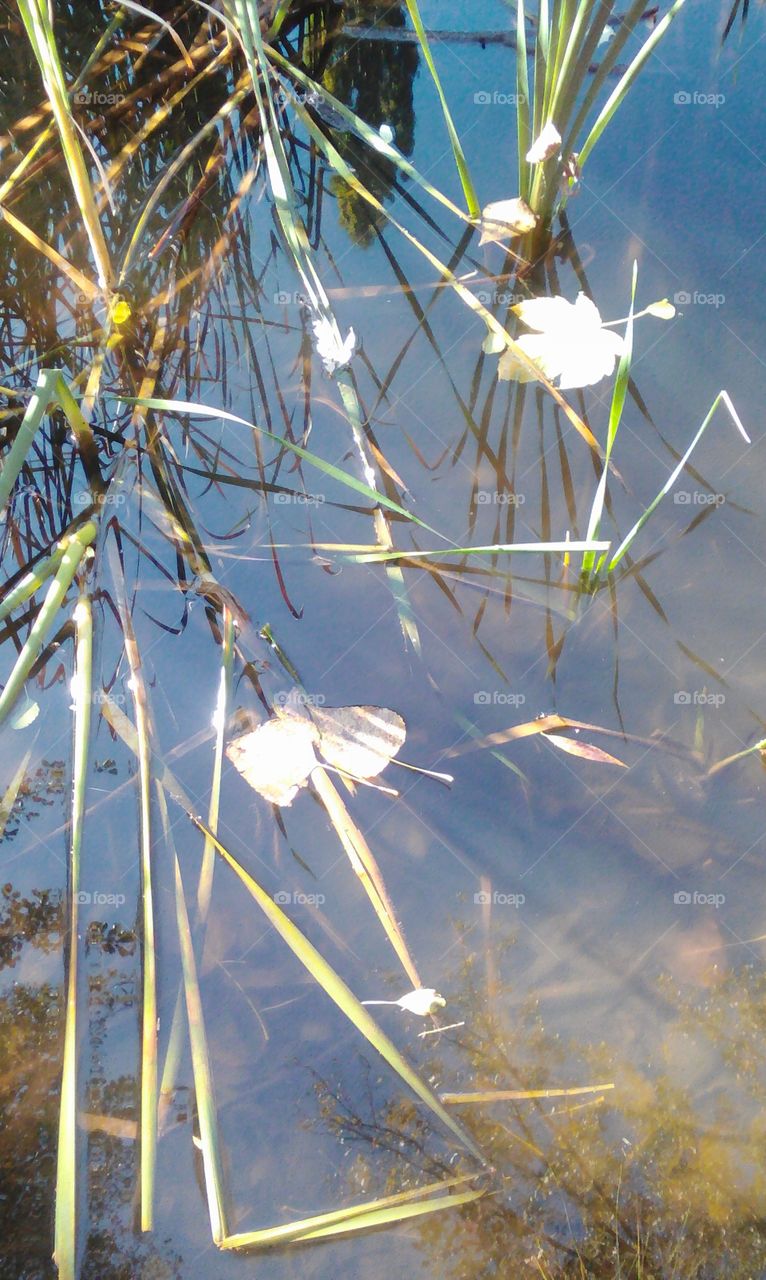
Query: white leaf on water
[(334, 351), (570, 343), (422, 1001)]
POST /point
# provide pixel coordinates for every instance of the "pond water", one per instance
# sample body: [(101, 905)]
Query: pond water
[(588, 924)]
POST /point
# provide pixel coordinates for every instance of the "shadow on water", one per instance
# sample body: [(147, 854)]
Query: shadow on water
[(588, 895)]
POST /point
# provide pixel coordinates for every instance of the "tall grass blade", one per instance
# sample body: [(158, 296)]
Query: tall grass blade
[(37, 21), (469, 191), (625, 545), (327, 468), (65, 1229), (70, 563), (364, 864), (619, 394), (148, 1086), (625, 82), (212, 1162), (384, 1212)]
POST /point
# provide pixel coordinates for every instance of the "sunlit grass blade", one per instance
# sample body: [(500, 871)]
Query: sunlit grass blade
[(615, 417), (205, 884), (148, 1086), (369, 135), (364, 864), (312, 960), (625, 545), (382, 531), (70, 563), (373, 554), (57, 259), (626, 81), (37, 22), (327, 468), (469, 191), (385, 1212), (39, 403), (523, 124), (30, 582), (520, 1095), (212, 1162), (65, 1230)]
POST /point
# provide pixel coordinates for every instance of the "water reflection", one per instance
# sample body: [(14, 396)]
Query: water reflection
[(662, 1176)]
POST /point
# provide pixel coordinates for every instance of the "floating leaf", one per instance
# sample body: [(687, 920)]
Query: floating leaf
[(278, 757), (359, 740), (547, 144), (570, 343), (505, 218), (335, 352), (423, 1001)]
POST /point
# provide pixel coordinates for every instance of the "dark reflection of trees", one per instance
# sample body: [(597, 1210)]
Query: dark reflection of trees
[(31, 1030), (652, 1180), (375, 79)]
